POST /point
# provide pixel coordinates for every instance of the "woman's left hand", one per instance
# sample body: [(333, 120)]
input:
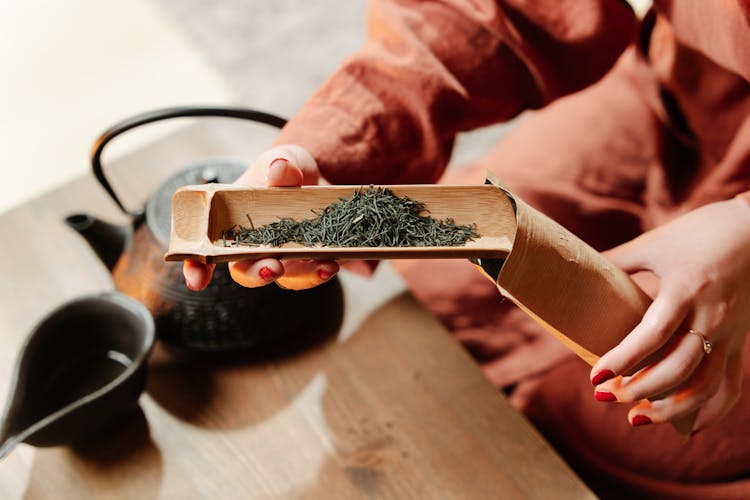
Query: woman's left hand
[(287, 165), (702, 260)]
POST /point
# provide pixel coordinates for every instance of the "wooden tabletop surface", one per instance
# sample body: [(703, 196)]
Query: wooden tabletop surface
[(389, 406)]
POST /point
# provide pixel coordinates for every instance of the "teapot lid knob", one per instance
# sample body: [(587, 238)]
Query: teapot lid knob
[(209, 175), (159, 206)]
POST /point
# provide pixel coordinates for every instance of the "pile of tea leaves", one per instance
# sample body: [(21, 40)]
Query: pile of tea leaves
[(372, 217)]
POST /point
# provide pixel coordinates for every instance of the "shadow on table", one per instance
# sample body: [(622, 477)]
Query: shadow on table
[(123, 462), (236, 389)]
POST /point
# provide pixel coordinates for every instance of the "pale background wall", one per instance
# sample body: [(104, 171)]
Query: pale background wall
[(71, 68)]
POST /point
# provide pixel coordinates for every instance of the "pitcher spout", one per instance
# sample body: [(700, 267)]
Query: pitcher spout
[(8, 439), (107, 240)]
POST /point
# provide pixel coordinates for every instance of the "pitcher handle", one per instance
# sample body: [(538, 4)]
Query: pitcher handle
[(163, 114)]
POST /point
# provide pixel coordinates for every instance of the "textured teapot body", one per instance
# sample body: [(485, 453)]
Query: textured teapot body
[(223, 316)]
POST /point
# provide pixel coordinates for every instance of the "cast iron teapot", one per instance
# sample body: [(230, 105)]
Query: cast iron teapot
[(224, 316)]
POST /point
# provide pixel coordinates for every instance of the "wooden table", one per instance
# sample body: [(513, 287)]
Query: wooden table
[(389, 407)]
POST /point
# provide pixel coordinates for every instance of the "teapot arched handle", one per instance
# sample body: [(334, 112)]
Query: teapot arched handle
[(163, 114)]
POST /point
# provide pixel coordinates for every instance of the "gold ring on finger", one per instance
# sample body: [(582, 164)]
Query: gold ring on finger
[(707, 345)]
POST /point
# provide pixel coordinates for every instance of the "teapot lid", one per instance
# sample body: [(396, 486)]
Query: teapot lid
[(159, 206)]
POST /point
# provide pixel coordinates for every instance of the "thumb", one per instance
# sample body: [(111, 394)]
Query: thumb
[(631, 256), (285, 165)]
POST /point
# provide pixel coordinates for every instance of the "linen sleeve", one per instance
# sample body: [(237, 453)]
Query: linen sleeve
[(431, 69)]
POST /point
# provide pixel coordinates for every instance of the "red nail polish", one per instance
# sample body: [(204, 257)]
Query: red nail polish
[(324, 275), (266, 274), (602, 376), (604, 396), (640, 420), (282, 161)]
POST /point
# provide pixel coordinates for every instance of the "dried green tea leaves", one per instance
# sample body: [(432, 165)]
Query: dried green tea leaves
[(372, 217)]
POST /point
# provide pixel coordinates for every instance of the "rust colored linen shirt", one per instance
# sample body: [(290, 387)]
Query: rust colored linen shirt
[(429, 70), (633, 121)]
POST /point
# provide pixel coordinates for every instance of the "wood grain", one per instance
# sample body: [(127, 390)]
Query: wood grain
[(386, 406)]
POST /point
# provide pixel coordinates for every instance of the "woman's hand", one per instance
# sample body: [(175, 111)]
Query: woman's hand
[(703, 262), (287, 165)]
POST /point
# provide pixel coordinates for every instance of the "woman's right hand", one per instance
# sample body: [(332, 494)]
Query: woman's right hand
[(287, 165)]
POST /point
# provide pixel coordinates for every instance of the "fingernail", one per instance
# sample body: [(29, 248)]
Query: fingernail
[(604, 396), (279, 162), (324, 275), (189, 272), (602, 376), (267, 274), (640, 420)]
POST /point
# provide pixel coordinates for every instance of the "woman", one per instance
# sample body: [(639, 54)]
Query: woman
[(641, 145)]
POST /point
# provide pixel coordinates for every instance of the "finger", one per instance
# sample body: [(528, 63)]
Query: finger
[(304, 274), (630, 256), (682, 358), (282, 173), (702, 386), (197, 274), (726, 397), (255, 273), (662, 319), (286, 165)]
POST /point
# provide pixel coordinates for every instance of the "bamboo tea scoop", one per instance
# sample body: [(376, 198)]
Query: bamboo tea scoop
[(200, 214)]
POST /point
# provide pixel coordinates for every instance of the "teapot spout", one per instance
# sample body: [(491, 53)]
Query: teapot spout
[(107, 240)]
